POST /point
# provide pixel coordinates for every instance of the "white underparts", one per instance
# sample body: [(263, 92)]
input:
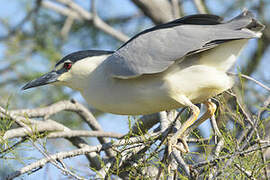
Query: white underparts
[(198, 78)]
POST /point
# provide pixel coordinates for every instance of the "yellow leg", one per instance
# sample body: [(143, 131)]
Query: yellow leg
[(190, 124), (172, 142), (210, 111)]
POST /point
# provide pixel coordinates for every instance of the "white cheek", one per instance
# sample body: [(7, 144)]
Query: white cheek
[(78, 76), (65, 77)]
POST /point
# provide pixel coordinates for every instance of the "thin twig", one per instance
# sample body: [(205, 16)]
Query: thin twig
[(247, 173), (56, 132), (215, 160), (61, 10), (76, 141), (54, 162), (181, 162), (73, 106), (12, 147), (98, 22), (250, 78), (82, 151), (67, 26), (200, 6), (175, 8), (164, 121), (145, 123)]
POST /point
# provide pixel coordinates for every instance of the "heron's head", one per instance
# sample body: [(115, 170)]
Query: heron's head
[(72, 70)]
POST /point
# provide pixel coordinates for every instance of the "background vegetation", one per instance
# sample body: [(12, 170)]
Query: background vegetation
[(42, 132)]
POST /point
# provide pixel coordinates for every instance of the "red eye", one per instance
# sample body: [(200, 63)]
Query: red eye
[(67, 66)]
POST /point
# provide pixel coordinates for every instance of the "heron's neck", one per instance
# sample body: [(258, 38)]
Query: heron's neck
[(83, 70)]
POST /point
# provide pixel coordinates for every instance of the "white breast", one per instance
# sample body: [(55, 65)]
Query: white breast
[(143, 95), (153, 93)]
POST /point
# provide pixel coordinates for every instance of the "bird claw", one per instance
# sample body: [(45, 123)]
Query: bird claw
[(173, 143)]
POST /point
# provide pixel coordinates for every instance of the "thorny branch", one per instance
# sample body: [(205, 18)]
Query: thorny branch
[(28, 125), (73, 10), (87, 149), (131, 148), (81, 151), (138, 145), (200, 6), (73, 106)]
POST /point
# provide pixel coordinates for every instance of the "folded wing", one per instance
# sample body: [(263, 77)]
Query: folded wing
[(155, 49)]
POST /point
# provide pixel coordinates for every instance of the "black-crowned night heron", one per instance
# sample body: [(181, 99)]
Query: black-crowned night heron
[(173, 65)]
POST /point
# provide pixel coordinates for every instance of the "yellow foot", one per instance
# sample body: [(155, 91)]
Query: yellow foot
[(173, 143), (210, 111), (211, 107), (180, 134)]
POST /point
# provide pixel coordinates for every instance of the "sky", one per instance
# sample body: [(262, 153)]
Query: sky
[(109, 122)]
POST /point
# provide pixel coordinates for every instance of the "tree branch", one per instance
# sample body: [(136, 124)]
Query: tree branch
[(99, 23), (76, 141), (88, 149), (158, 11), (200, 6)]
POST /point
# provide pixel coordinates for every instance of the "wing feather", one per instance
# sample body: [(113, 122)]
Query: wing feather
[(156, 49)]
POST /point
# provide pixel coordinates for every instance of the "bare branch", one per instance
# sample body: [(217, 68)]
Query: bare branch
[(145, 122), (61, 10), (158, 11), (61, 155), (76, 141), (81, 11), (31, 130), (99, 23), (247, 173), (11, 147), (200, 6), (52, 130), (215, 128), (215, 160), (77, 12), (102, 173), (87, 149), (72, 106), (67, 26), (176, 8), (164, 120), (181, 162), (82, 133), (64, 169), (252, 79)]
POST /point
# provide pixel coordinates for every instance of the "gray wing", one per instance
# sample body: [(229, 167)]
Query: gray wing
[(155, 49)]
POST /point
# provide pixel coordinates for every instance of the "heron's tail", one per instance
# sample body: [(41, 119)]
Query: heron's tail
[(246, 21)]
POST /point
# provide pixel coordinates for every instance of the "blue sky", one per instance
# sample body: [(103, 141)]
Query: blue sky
[(14, 12)]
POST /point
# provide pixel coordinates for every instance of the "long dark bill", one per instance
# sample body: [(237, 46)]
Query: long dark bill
[(43, 80)]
